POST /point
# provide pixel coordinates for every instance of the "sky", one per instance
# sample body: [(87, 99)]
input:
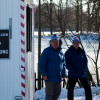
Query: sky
[(56, 1), (36, 1)]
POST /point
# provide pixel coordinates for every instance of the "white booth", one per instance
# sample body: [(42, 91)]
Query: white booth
[(16, 50)]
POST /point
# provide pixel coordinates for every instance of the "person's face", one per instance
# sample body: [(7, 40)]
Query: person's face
[(76, 44), (55, 44)]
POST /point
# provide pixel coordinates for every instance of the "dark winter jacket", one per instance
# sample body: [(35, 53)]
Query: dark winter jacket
[(51, 64), (76, 62)]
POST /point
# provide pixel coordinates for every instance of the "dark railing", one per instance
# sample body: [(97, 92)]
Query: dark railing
[(64, 83)]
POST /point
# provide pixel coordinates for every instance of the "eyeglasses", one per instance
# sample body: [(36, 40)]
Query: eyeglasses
[(55, 42)]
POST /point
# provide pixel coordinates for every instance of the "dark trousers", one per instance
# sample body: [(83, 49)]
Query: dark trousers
[(85, 84), (52, 90)]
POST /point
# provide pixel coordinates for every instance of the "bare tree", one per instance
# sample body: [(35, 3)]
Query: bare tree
[(95, 61), (77, 16), (88, 19), (93, 15)]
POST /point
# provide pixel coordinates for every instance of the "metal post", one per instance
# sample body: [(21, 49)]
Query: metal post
[(81, 26), (39, 45), (51, 16), (10, 27)]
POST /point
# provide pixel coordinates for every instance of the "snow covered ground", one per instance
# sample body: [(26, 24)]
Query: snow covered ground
[(78, 94)]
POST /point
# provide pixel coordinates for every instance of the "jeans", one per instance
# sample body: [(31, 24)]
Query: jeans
[(52, 90), (85, 84)]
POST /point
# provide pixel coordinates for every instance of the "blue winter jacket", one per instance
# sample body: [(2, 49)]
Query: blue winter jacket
[(51, 64), (76, 62)]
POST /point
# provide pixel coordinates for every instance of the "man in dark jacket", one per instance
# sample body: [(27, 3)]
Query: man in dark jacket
[(76, 63), (52, 68)]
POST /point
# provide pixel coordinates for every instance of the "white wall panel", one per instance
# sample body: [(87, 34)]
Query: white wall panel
[(6, 11), (3, 13)]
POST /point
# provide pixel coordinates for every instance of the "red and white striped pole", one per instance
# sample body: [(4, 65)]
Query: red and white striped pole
[(22, 32)]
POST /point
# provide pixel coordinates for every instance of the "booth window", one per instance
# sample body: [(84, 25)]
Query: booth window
[(28, 28)]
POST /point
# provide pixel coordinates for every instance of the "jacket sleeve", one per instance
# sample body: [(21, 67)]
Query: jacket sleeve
[(64, 69), (43, 62), (85, 61), (67, 62)]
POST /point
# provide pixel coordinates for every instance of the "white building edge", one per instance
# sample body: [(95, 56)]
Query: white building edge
[(17, 68)]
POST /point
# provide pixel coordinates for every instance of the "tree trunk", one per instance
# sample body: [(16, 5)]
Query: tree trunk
[(88, 20), (89, 77), (97, 73), (81, 18), (77, 17), (96, 22)]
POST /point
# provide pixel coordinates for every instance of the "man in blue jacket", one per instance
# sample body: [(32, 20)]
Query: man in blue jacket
[(52, 68), (76, 64)]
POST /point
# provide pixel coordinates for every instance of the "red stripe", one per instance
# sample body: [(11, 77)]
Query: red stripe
[(23, 67), (22, 0), (22, 42), (22, 50), (22, 59), (23, 93), (23, 85), (23, 76), (22, 16), (22, 24), (22, 7), (22, 33), (34, 9)]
